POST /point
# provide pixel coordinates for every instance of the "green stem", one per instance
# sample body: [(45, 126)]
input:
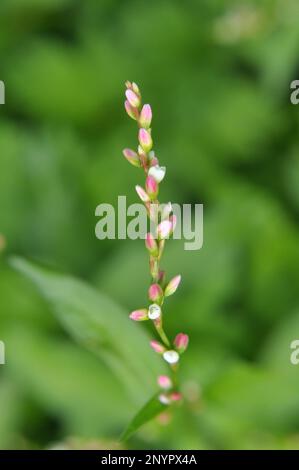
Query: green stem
[(162, 334)]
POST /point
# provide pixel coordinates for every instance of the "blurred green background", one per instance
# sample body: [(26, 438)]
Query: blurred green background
[(217, 74)]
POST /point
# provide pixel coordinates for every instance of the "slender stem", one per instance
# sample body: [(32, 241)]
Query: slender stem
[(162, 333)]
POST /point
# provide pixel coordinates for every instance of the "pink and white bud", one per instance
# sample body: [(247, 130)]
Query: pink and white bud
[(151, 244), (155, 293), (154, 312), (139, 315), (132, 157), (131, 111), (161, 277), (142, 194), (172, 285), (135, 88), (164, 229), (133, 98), (145, 117), (181, 342), (151, 187), (164, 399), (172, 357), (164, 382), (145, 139), (153, 160), (157, 347), (176, 396), (157, 172)]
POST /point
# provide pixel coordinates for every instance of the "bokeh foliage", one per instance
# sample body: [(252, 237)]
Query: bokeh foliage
[(217, 74)]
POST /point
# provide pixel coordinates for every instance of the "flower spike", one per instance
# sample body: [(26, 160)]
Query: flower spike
[(163, 223)]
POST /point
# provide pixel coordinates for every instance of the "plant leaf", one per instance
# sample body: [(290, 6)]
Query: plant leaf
[(100, 325), (151, 409)]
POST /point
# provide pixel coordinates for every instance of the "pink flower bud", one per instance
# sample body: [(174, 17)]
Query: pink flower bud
[(132, 157), (139, 315), (131, 111), (181, 342), (151, 244), (172, 285), (157, 347), (153, 160), (155, 293), (145, 117), (164, 382), (151, 187), (176, 396), (161, 277), (164, 229), (142, 194), (133, 99), (135, 88), (145, 139), (157, 172)]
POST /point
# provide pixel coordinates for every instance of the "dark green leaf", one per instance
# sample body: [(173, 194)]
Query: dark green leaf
[(151, 409)]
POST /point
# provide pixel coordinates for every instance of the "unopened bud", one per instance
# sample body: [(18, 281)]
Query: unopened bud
[(172, 285), (176, 396), (181, 342), (164, 229), (172, 357), (133, 98), (157, 172), (154, 312), (145, 117), (139, 315), (131, 111), (132, 157), (152, 187), (151, 244), (164, 399), (153, 160), (145, 139), (161, 277), (142, 194), (164, 382), (135, 88), (157, 347), (155, 293)]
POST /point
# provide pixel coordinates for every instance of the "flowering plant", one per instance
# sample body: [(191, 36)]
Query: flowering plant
[(163, 223)]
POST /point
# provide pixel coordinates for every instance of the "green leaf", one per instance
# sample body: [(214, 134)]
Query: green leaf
[(151, 409), (100, 325)]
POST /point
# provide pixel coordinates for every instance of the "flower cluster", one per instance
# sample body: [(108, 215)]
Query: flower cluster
[(164, 225)]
